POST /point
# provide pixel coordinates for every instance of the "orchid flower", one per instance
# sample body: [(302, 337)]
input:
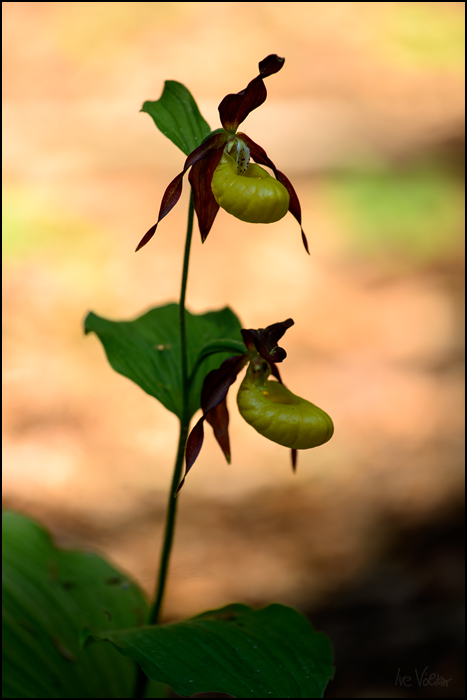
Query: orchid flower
[(222, 174), (268, 406)]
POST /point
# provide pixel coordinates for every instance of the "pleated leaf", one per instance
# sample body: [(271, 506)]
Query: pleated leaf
[(177, 116), (147, 350), (269, 653), (52, 599)]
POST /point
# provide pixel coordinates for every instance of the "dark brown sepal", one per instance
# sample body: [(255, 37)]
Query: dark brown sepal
[(215, 388), (169, 200), (218, 418), (200, 178), (235, 108)]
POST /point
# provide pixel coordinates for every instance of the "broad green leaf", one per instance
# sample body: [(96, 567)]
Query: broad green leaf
[(176, 114), (52, 599), (147, 350), (268, 653)]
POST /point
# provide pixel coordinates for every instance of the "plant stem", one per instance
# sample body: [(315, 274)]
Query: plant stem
[(142, 680), (181, 308), (169, 528)]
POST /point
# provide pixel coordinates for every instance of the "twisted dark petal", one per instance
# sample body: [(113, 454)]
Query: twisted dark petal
[(265, 340), (215, 388), (200, 178), (273, 333), (172, 194), (235, 107), (261, 157), (294, 460), (270, 65), (169, 200)]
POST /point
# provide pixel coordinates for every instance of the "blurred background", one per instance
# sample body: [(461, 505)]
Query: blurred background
[(367, 120)]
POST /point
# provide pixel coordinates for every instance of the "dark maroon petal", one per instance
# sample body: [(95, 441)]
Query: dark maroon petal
[(193, 448), (265, 341), (261, 157), (270, 65), (217, 383), (200, 178), (174, 190), (273, 333), (218, 418), (249, 338), (215, 388), (169, 200), (294, 460), (275, 372), (294, 205), (235, 107)]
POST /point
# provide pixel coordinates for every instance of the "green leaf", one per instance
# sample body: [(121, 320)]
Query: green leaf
[(147, 350), (52, 599), (176, 114), (269, 653)]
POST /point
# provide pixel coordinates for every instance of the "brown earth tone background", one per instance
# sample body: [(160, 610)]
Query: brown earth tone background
[(367, 120)]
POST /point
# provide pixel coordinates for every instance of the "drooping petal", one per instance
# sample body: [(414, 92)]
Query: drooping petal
[(218, 418), (215, 388), (264, 341), (275, 372), (169, 200), (215, 142), (200, 178), (236, 107), (261, 157), (294, 460), (218, 381), (193, 448)]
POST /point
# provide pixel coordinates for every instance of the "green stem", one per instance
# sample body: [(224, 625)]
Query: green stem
[(233, 346), (142, 680), (181, 308)]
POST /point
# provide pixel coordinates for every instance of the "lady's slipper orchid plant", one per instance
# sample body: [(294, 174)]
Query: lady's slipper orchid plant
[(268, 406), (222, 174), (175, 356)]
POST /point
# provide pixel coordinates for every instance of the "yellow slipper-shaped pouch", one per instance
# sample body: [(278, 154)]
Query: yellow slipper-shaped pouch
[(253, 196), (278, 414)]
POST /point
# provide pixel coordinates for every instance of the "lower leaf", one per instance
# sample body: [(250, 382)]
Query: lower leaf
[(269, 653), (51, 600)]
